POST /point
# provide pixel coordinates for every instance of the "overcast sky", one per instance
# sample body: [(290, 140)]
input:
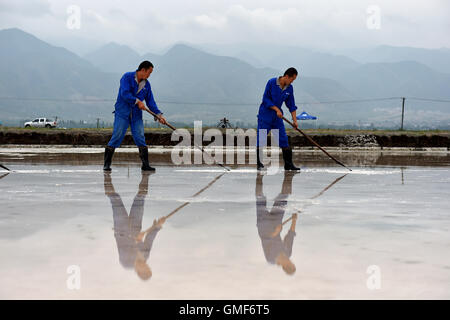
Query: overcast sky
[(153, 25)]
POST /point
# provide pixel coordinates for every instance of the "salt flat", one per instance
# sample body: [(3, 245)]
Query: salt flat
[(376, 232)]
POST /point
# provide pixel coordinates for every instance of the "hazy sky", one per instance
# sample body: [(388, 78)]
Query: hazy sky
[(154, 25)]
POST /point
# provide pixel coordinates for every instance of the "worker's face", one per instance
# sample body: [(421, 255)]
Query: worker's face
[(143, 270), (289, 80), (146, 73)]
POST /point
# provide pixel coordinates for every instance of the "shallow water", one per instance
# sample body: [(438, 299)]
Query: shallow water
[(222, 243)]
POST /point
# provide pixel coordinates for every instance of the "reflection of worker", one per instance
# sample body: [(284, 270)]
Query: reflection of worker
[(133, 253), (276, 251)]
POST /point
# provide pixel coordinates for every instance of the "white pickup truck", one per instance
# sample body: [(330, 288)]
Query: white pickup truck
[(41, 123)]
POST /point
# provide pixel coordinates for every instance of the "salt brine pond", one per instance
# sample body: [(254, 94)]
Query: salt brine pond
[(69, 231)]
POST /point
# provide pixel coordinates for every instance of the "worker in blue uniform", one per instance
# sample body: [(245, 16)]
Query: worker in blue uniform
[(270, 115), (134, 90)]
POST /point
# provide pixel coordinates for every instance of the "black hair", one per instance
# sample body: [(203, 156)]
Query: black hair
[(145, 65), (291, 72)]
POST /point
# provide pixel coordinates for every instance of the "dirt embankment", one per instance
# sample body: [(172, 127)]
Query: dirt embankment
[(161, 137)]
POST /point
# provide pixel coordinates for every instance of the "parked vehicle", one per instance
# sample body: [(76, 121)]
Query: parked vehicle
[(41, 123)]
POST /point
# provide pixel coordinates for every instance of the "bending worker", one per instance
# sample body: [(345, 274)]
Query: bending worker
[(134, 89), (132, 253), (270, 115)]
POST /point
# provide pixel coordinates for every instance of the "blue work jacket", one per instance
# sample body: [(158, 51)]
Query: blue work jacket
[(275, 96), (128, 93)]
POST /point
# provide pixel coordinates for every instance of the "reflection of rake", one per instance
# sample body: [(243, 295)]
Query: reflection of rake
[(142, 234), (4, 175), (328, 187), (278, 228)]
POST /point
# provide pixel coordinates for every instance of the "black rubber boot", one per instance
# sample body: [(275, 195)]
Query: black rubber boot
[(287, 182), (287, 157), (143, 154), (143, 185), (259, 164), (109, 152)]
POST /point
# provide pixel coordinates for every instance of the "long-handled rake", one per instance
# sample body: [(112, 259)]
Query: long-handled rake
[(173, 128)]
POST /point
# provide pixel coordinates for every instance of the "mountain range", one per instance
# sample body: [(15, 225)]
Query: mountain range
[(209, 82)]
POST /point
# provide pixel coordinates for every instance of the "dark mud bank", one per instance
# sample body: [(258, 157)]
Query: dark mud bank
[(92, 138)]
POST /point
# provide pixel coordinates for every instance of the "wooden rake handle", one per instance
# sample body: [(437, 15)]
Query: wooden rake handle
[(316, 144)]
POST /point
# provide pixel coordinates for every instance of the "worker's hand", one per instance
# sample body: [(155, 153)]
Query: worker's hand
[(159, 223), (279, 113), (295, 123), (294, 222), (141, 105), (162, 120)]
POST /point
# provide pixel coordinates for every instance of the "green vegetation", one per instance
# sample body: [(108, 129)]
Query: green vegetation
[(291, 131), (371, 132)]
